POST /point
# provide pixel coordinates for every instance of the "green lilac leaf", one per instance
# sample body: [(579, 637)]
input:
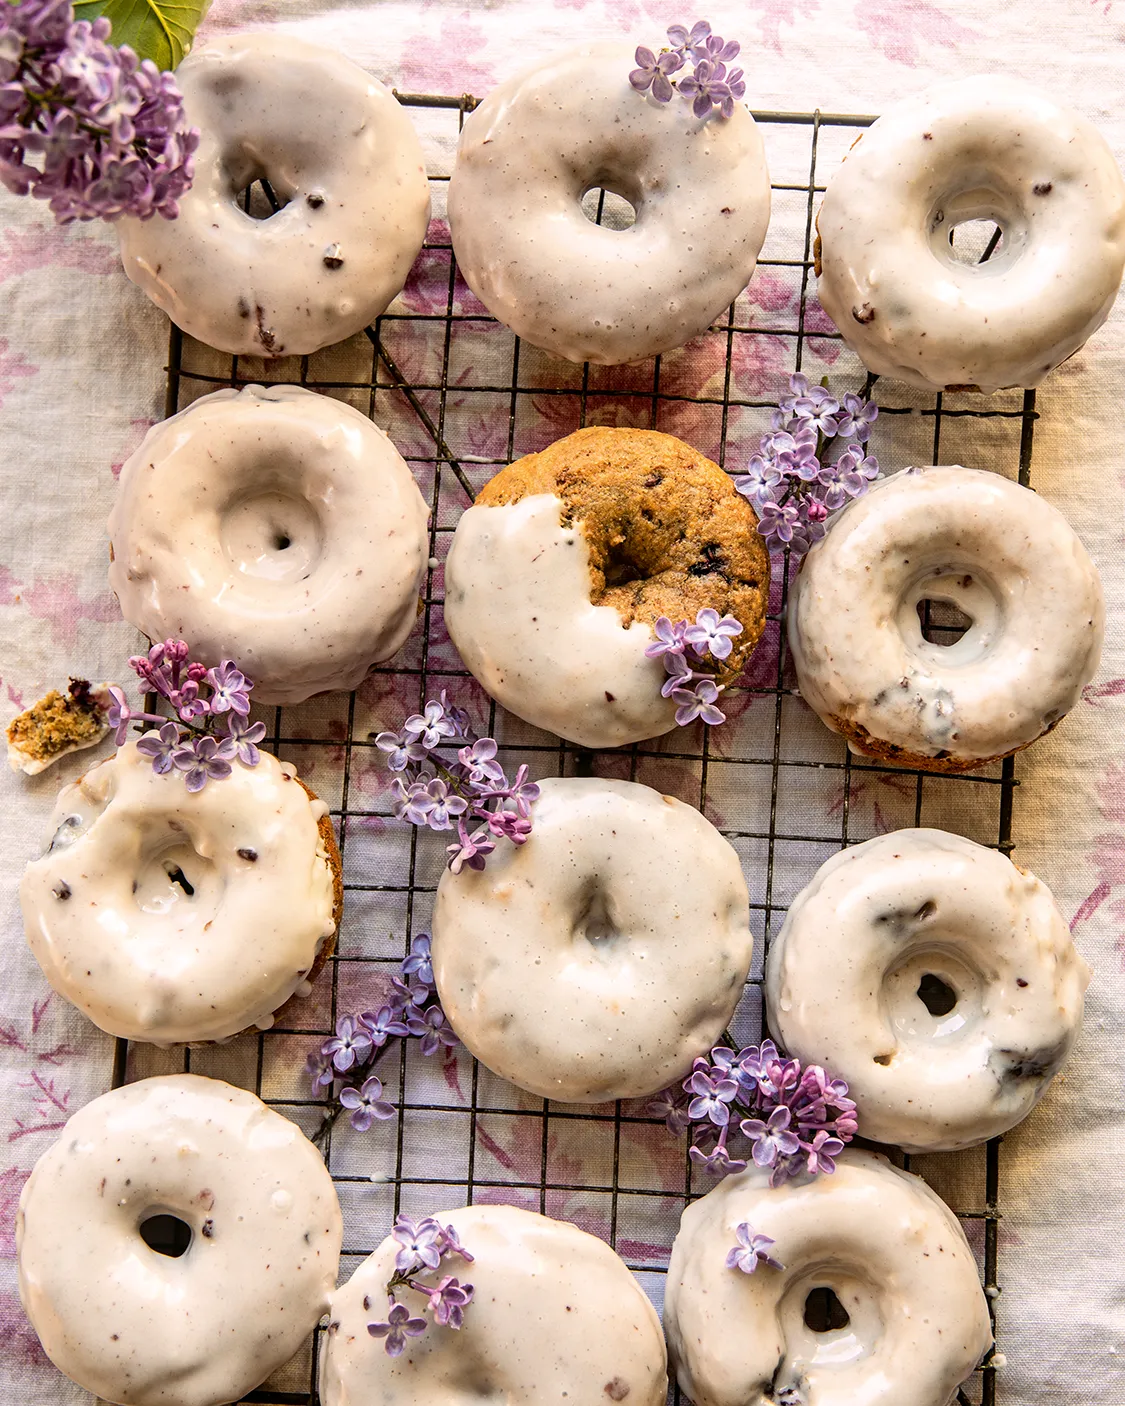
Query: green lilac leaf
[(160, 30)]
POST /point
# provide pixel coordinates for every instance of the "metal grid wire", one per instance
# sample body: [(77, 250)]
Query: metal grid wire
[(767, 757)]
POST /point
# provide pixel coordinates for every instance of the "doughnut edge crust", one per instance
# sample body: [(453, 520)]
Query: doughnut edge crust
[(887, 280), (576, 965), (842, 974), (343, 156), (1001, 553), (266, 1226), (554, 1307), (739, 1340), (533, 148)]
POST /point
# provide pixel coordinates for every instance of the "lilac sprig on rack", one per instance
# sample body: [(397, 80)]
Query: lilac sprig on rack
[(683, 647), (785, 1118), (344, 1063), (469, 792), (794, 483), (85, 125), (709, 85), (423, 1247), (210, 729)]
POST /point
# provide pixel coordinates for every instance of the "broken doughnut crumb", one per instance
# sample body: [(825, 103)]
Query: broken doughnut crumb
[(60, 723)]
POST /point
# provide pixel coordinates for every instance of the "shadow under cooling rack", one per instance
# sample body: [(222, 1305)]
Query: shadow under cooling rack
[(783, 790)]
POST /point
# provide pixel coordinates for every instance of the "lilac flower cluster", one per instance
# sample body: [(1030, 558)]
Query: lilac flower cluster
[(423, 1245), (84, 125), (751, 1250), (694, 693), (710, 83), (444, 795), (344, 1062), (211, 706), (793, 1119), (792, 483)]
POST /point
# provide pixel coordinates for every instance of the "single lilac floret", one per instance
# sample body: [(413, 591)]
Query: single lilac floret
[(751, 1250), (420, 1242), (470, 850), (679, 671), (119, 714), (856, 418), (671, 1105), (712, 1098), (159, 746), (669, 638), (397, 1329), (448, 1302), (437, 1033), (698, 702), (365, 1104), (381, 1025), (709, 89), (431, 726), (243, 737), (350, 1045), (822, 1152), (419, 962), (653, 72), (712, 633), (400, 751), (320, 1070), (718, 1161), (760, 481), (201, 760), (480, 762), (772, 1138)]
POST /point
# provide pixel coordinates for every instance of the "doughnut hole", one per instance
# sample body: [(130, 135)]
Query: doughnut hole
[(261, 179), (165, 1233), (932, 994), (608, 208), (174, 878), (977, 226), (272, 538), (950, 615), (595, 922), (831, 1315)]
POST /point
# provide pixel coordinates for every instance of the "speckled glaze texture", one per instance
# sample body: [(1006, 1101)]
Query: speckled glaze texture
[(518, 608), (598, 959), (339, 151), (126, 943), (982, 148), (545, 137), (843, 976), (975, 540), (891, 1251), (140, 1328), (275, 527), (556, 1317)]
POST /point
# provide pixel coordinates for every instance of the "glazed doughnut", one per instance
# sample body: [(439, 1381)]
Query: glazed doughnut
[(1007, 559), (566, 560), (555, 1316), (598, 959), (275, 527), (168, 915), (532, 150), (890, 1250), (341, 156), (135, 1325), (937, 978), (982, 148)]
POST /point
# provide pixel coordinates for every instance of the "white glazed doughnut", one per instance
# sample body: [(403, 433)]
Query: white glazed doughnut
[(981, 148), (598, 959), (336, 148), (544, 138), (555, 1317), (275, 527), (889, 1249), (110, 919), (1003, 556), (137, 1326), (916, 922)]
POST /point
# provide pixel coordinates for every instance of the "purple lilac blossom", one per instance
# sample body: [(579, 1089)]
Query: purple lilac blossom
[(448, 1302), (710, 636), (420, 1244), (350, 1044), (201, 760), (751, 1250), (365, 1104), (397, 1329), (709, 85), (654, 72), (84, 125)]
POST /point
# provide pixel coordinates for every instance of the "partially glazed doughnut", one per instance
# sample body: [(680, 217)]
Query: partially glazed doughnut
[(567, 558), (138, 1326), (890, 1250), (555, 1317), (544, 138), (344, 161), (937, 978), (1001, 554), (981, 148), (598, 959), (275, 527), (168, 915)]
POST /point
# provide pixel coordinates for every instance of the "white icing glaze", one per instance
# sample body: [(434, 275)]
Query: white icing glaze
[(1005, 557), (518, 608), (144, 1329), (276, 527), (130, 947), (555, 1317), (842, 980), (599, 958), (545, 137), (981, 148), (891, 1251), (335, 145)]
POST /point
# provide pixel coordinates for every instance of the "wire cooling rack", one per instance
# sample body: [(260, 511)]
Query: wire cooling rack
[(782, 789)]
